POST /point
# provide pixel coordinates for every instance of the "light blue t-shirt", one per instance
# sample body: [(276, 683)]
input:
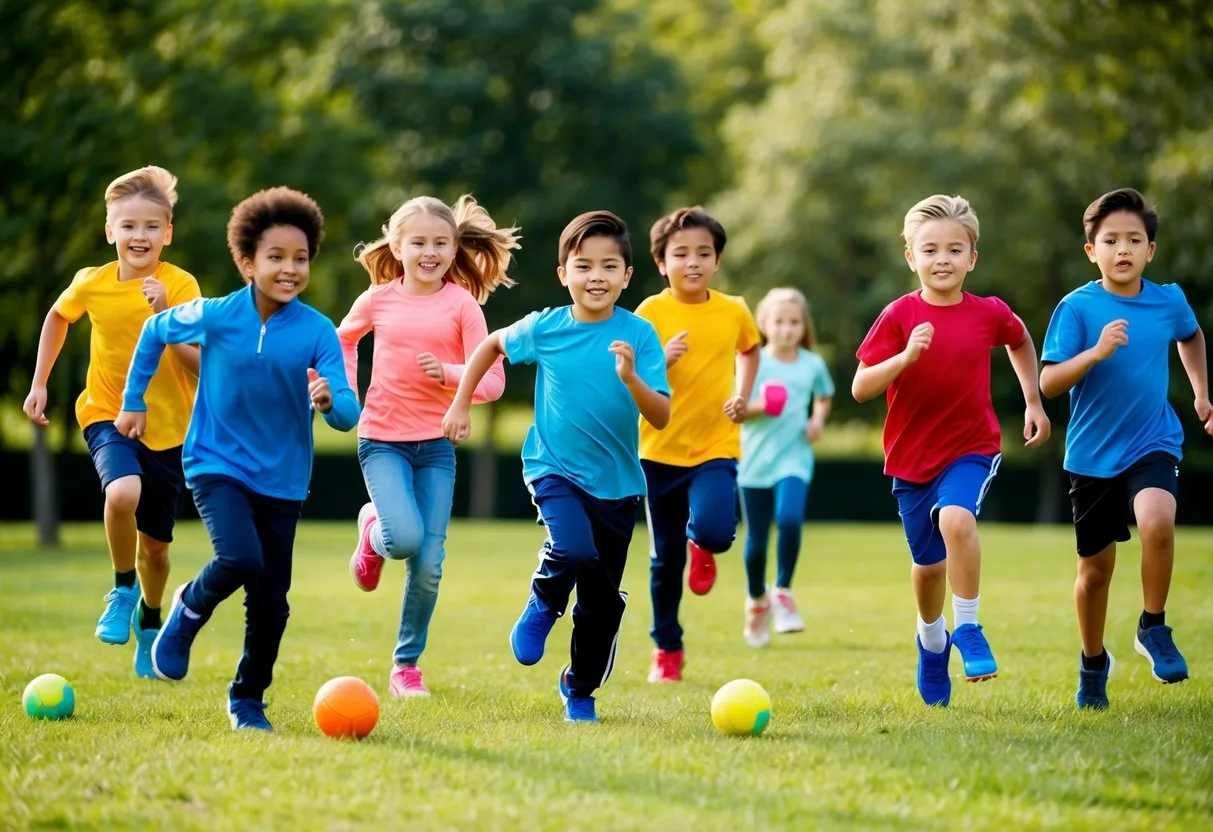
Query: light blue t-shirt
[(775, 447), (587, 426), (1119, 410)]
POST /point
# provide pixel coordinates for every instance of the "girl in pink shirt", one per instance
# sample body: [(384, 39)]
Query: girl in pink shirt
[(430, 272)]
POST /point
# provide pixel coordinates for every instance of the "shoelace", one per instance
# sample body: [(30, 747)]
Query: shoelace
[(1166, 646), (969, 638)]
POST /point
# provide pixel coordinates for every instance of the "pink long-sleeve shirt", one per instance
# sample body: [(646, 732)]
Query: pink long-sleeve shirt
[(403, 404)]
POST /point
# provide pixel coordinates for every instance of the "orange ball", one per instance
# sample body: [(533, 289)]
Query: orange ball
[(346, 707)]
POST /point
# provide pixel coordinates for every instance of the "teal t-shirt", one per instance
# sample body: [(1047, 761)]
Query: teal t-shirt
[(775, 447)]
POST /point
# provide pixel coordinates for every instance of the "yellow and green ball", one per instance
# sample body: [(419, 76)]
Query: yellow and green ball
[(741, 708), (49, 697)]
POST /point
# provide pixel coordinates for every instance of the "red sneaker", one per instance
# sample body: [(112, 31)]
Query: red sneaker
[(406, 681), (667, 666), (366, 565), (702, 575)]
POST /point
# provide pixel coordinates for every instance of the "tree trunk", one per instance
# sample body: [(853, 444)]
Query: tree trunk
[(42, 476), (483, 502)]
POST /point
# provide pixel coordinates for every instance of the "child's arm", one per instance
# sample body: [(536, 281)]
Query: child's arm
[(870, 382), (1192, 356), (1036, 426), (184, 324), (473, 331), (50, 344), (187, 355), (457, 423), (355, 325), (817, 422), (336, 400), (1059, 378), (654, 407), (737, 407)]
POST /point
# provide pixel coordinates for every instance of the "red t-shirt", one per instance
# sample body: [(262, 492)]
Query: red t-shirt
[(940, 407)]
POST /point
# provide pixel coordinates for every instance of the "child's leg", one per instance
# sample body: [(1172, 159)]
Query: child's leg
[(227, 510), (1091, 599), (712, 498), (387, 468), (434, 481), (266, 608), (1100, 508), (668, 512), (121, 534), (790, 496), (758, 505), (928, 574), (155, 516), (1155, 512), (153, 567)]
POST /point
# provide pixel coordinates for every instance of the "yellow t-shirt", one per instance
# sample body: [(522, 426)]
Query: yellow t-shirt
[(702, 380), (117, 309)]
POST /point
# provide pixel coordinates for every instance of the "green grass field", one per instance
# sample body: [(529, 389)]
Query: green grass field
[(850, 745)]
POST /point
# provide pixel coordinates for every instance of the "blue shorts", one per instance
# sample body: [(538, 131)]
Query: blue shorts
[(116, 456), (964, 483)]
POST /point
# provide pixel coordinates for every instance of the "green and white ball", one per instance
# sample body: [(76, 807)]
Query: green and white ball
[(49, 697)]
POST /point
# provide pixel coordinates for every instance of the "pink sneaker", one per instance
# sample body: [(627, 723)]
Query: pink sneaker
[(366, 565), (702, 575), (406, 681), (667, 666)]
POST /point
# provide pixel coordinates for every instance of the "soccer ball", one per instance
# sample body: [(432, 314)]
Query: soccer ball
[(346, 707), (741, 708), (49, 697)]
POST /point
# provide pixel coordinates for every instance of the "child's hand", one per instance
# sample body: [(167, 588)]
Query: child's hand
[(319, 392), (920, 339), (432, 366), (675, 348), (1204, 411), (1036, 427), (35, 404), (457, 423), (813, 430), (131, 424), (735, 409), (1111, 339), (153, 290), (625, 360)]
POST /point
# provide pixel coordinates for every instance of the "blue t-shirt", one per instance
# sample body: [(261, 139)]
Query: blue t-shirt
[(586, 423), (775, 447), (1119, 410), (252, 417)]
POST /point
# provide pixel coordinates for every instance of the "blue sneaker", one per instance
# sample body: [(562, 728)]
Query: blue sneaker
[(247, 713), (1093, 686), (975, 650), (114, 626), (934, 683), (1166, 663), (143, 648), (171, 649), (576, 708), (530, 633)]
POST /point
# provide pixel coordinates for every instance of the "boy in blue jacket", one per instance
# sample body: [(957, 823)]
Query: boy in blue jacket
[(267, 358)]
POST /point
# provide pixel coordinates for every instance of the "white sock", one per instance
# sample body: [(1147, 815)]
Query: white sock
[(376, 538), (964, 610), (934, 636)]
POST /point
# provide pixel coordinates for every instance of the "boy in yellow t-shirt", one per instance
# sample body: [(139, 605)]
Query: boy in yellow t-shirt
[(141, 479), (691, 466)]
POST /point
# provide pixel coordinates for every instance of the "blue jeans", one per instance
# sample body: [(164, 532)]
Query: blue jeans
[(783, 505), (412, 485)]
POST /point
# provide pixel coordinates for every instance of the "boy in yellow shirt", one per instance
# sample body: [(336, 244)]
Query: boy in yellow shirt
[(691, 466), (141, 479)]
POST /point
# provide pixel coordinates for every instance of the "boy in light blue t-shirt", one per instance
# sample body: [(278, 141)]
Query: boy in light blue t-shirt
[(1108, 344), (777, 457), (600, 369)]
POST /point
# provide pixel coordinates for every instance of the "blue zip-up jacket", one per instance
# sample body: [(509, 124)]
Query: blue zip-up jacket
[(252, 417)]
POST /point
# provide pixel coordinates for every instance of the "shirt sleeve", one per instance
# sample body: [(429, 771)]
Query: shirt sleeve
[(185, 291), (884, 340), (1011, 330), (354, 326), (747, 337), (70, 304), (184, 324), (519, 339), (650, 358), (472, 332), (1185, 319), (329, 363), (1064, 337)]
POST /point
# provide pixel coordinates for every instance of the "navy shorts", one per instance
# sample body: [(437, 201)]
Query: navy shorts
[(964, 483), (1103, 507), (116, 456)]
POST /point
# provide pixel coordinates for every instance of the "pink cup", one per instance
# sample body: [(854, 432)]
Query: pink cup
[(774, 397)]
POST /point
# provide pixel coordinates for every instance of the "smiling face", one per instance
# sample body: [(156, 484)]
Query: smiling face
[(690, 261), (1121, 250), (280, 266), (425, 248), (595, 275), (139, 229), (941, 254)]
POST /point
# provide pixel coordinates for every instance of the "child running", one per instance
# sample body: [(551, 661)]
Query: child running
[(600, 370), (267, 358), (777, 457), (430, 272), (141, 478), (930, 350)]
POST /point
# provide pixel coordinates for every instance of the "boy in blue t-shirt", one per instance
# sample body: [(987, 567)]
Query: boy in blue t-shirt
[(600, 368), (1108, 343)]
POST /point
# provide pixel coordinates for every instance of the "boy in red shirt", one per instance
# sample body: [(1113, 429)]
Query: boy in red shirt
[(930, 350)]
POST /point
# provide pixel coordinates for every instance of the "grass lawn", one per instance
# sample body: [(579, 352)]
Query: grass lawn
[(850, 744)]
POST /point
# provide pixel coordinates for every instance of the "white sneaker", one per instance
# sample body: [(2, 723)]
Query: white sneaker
[(757, 632), (787, 617)]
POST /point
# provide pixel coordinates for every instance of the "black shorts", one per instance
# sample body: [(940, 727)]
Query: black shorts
[(116, 456), (1103, 507)]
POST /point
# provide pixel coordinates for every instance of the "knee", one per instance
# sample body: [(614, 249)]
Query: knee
[(400, 540), (957, 524), (714, 534), (122, 495), (153, 553), (1094, 573), (1155, 532)]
